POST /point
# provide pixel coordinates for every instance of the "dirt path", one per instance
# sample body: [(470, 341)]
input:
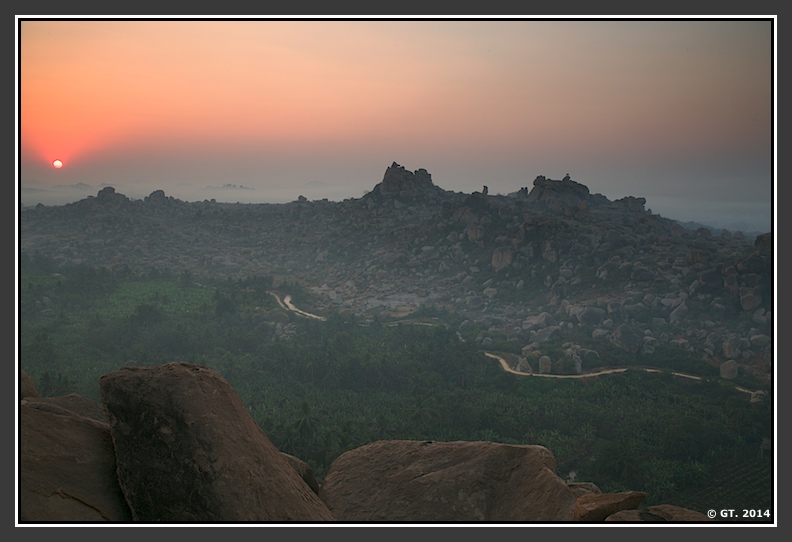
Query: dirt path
[(508, 369), (288, 305), (505, 365)]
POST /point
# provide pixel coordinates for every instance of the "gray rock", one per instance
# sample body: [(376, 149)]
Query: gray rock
[(729, 369), (760, 340), (546, 334), (678, 313), (625, 338), (591, 315), (545, 365)]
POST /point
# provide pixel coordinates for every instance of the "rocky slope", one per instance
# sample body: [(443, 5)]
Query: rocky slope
[(553, 262), (174, 444)]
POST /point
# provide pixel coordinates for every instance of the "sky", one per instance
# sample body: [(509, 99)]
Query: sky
[(680, 112)]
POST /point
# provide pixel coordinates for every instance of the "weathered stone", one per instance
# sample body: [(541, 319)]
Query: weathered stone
[(750, 298), (625, 338), (545, 365), (304, 470), (446, 481), (188, 450), (729, 369), (546, 334), (583, 488), (672, 513), (474, 232), (524, 366), (597, 507), (502, 257), (67, 466), (642, 274), (678, 313), (661, 513), (760, 340), (537, 321), (27, 386), (591, 315), (732, 347), (72, 402)]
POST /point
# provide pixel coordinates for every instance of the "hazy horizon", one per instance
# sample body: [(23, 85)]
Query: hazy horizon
[(680, 112), (709, 214)]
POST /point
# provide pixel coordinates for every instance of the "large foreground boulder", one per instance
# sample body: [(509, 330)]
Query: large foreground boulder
[(400, 480), (67, 463), (188, 450)]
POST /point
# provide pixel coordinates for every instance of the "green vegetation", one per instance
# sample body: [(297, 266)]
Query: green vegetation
[(319, 388)]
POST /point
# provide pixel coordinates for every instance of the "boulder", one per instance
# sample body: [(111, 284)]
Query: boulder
[(660, 513), (72, 402), (545, 365), (502, 257), (67, 466), (760, 340), (597, 507), (546, 334), (536, 321), (304, 470), (729, 369), (626, 339), (591, 315), (583, 488), (642, 274), (732, 347), (750, 298), (404, 480), (187, 449), (678, 313), (669, 512), (27, 386)]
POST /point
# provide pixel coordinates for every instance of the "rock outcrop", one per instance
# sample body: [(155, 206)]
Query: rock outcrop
[(403, 184), (566, 196)]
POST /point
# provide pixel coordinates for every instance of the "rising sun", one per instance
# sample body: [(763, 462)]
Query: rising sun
[(57, 164)]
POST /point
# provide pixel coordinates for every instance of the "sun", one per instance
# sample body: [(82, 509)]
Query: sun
[(57, 164)]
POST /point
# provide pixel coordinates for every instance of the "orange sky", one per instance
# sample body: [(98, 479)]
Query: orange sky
[(667, 109)]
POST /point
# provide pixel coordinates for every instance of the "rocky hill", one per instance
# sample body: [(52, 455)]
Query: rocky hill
[(552, 262), (174, 444)]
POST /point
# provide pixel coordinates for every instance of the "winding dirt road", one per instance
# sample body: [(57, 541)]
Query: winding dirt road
[(508, 369), (504, 364), (288, 305)]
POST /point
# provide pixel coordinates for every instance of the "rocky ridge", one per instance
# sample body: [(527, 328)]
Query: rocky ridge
[(552, 263)]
